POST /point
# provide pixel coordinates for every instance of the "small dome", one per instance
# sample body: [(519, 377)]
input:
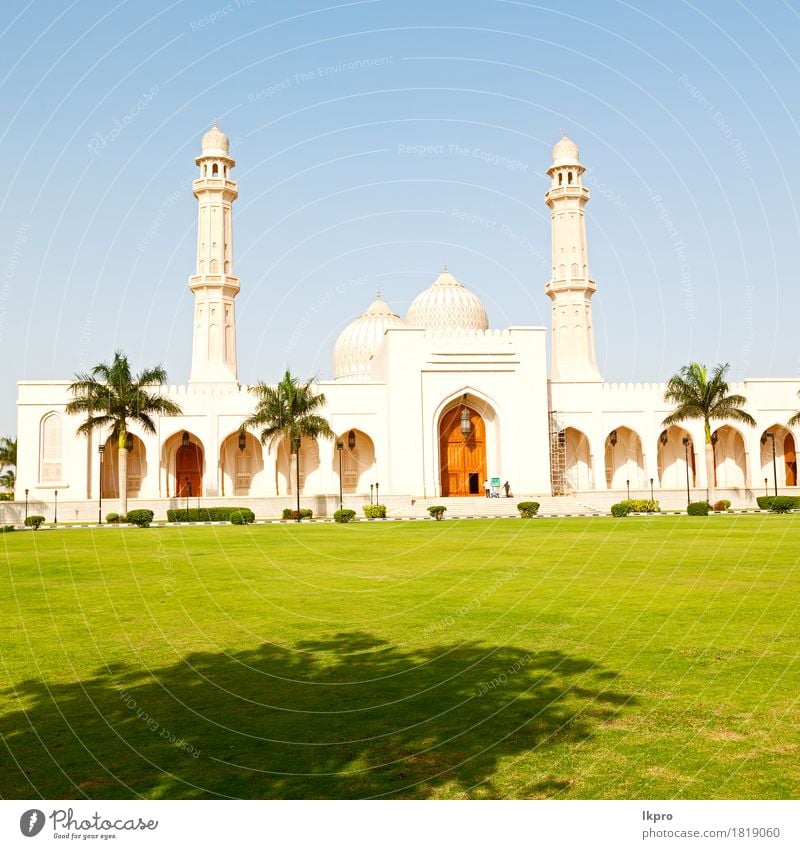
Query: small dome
[(447, 305), (565, 151), (215, 141), (357, 343)]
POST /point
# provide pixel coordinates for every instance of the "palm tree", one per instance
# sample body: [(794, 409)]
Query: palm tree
[(8, 480), (111, 396), (8, 452), (795, 419), (288, 411), (698, 396)]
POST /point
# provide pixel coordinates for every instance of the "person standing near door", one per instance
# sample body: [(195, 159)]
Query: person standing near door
[(487, 489)]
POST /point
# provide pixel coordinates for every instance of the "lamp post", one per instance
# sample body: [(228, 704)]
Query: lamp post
[(377, 496), (297, 470), (187, 491), (55, 508), (686, 457), (371, 491), (100, 449), (771, 435), (766, 487), (26, 504), (340, 448), (628, 484), (652, 497)]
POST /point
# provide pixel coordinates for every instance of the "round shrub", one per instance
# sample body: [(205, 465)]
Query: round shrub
[(342, 517), (437, 511), (242, 516), (722, 504), (620, 509), (140, 518), (112, 518), (34, 522), (375, 511), (528, 509), (698, 508)]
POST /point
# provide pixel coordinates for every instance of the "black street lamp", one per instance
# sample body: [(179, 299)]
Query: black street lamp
[(686, 456), (55, 508), (297, 469), (628, 484), (26, 504), (340, 448), (187, 491), (766, 487), (377, 496), (100, 449), (371, 491), (652, 497), (771, 435)]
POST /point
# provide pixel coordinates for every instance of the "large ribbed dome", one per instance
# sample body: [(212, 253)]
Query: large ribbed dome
[(353, 351), (447, 305)]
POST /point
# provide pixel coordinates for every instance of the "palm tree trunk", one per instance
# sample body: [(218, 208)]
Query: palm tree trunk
[(123, 481), (710, 472), (297, 466)]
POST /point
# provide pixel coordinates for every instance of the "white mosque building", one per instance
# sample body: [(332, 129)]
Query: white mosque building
[(426, 407)]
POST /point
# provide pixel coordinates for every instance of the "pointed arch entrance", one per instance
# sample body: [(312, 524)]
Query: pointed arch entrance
[(462, 458), (189, 468)]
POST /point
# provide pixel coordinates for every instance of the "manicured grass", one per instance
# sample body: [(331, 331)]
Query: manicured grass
[(580, 658)]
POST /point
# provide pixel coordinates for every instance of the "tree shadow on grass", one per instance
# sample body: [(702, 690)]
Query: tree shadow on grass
[(347, 717)]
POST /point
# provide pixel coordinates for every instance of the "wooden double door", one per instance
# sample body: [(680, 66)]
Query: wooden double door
[(189, 470), (462, 461)]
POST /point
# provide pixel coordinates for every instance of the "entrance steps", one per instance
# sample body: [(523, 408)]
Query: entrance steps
[(480, 506)]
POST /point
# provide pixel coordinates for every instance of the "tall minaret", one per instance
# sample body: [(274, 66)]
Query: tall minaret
[(570, 288), (213, 283)]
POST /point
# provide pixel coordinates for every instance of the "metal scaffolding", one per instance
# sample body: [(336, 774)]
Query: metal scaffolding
[(558, 455)]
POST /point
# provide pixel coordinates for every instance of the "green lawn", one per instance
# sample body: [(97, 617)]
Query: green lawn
[(579, 658)]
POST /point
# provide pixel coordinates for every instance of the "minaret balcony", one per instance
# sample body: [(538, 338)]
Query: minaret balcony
[(580, 192), (215, 184)]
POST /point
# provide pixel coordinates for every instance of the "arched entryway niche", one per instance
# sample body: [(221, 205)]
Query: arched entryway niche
[(357, 457), (463, 431), (285, 474), (241, 459), (578, 460), (184, 461), (674, 458), (137, 467), (785, 468), (624, 459), (730, 464)]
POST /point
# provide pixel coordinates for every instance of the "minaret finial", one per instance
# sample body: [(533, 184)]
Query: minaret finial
[(378, 292), (445, 267)]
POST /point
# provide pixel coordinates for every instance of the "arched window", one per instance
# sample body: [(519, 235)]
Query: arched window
[(560, 178), (50, 449), (205, 170), (569, 177), (215, 170)]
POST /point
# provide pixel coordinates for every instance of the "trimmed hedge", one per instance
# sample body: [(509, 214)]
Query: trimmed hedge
[(785, 502), (375, 511), (140, 518), (7, 529), (343, 517), (114, 518), (34, 522), (698, 508), (437, 511), (722, 504), (642, 505), (242, 516), (204, 514), (305, 513), (620, 509), (528, 509)]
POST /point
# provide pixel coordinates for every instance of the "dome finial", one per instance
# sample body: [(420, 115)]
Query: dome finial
[(445, 266), (378, 293)]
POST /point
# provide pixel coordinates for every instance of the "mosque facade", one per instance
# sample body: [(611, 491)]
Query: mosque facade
[(430, 405)]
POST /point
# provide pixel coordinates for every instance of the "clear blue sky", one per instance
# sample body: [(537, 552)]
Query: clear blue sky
[(686, 115)]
